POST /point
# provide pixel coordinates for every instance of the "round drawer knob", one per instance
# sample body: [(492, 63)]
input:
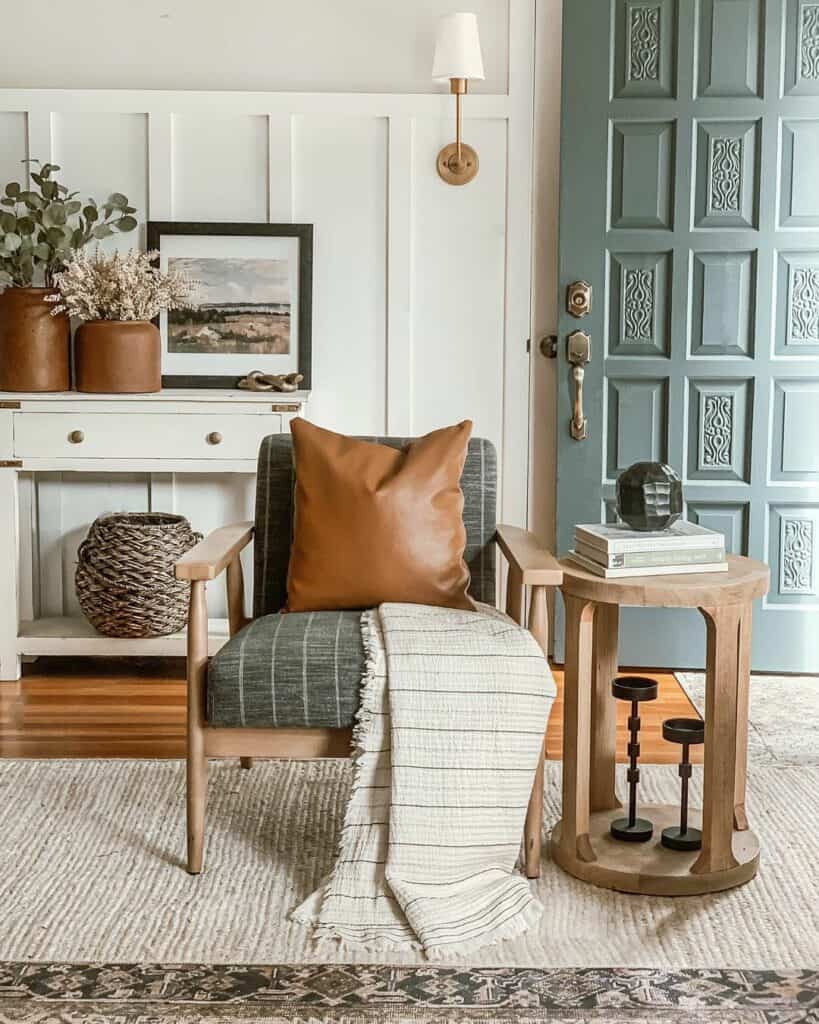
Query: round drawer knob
[(76, 437), (214, 437)]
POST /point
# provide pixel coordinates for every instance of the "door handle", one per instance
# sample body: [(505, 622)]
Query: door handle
[(578, 352)]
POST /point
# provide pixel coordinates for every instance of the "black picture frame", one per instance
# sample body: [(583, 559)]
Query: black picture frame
[(303, 232)]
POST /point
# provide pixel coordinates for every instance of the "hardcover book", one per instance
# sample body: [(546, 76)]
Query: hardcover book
[(638, 559), (615, 538), (652, 570)]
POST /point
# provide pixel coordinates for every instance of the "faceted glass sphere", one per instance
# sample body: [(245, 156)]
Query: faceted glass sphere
[(649, 496)]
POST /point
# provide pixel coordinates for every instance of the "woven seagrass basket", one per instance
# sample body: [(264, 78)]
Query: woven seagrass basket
[(125, 579)]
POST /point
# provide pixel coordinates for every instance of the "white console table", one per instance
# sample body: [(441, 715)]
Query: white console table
[(174, 431)]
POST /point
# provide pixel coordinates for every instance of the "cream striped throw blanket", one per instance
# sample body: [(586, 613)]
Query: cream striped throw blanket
[(453, 710)]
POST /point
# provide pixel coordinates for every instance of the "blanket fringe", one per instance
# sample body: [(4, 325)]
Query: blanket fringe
[(526, 919)]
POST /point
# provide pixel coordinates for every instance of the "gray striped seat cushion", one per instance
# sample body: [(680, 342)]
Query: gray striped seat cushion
[(299, 669), (274, 518)]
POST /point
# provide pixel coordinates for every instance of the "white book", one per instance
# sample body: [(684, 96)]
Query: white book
[(615, 538), (648, 559), (655, 570)]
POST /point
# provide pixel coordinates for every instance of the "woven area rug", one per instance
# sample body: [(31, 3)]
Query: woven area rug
[(168, 994), (91, 870), (782, 717)]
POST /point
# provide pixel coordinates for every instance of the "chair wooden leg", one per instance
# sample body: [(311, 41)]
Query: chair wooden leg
[(246, 763), (197, 801), (533, 828), (197, 763)]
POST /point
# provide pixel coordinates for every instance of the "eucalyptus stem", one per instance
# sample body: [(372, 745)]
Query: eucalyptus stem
[(42, 224)]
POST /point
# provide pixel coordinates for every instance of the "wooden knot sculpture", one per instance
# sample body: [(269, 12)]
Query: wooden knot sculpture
[(258, 381)]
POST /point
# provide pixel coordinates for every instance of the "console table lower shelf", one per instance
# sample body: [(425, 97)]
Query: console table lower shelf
[(650, 869), (65, 635)]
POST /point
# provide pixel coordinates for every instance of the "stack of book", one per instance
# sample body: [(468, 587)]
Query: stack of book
[(615, 551)]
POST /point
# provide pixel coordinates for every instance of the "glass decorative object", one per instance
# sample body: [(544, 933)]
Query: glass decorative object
[(649, 496)]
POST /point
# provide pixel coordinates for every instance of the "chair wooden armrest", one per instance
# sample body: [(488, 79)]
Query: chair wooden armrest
[(537, 566), (214, 554)]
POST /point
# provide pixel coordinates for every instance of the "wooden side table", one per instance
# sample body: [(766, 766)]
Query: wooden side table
[(580, 842)]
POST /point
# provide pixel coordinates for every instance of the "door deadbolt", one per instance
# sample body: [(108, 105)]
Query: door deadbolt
[(579, 298), (578, 353)]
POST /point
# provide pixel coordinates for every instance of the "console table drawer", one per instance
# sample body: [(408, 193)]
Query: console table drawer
[(140, 436)]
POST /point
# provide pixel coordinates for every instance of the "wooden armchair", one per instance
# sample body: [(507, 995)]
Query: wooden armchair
[(253, 698)]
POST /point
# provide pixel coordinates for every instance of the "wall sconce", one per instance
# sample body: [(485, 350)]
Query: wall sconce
[(457, 59)]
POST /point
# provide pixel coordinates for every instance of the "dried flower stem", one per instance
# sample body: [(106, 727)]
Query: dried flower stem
[(99, 286)]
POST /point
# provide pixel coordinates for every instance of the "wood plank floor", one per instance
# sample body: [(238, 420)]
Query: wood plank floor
[(136, 708)]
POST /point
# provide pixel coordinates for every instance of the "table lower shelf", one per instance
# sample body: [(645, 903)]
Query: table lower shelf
[(68, 635), (649, 868)]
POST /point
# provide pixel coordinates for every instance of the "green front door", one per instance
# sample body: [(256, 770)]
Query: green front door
[(690, 203)]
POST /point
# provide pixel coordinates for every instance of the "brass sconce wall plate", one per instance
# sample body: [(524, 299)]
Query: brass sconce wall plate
[(455, 171)]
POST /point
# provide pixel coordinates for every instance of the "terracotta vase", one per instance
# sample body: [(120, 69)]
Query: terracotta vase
[(118, 357), (34, 345)]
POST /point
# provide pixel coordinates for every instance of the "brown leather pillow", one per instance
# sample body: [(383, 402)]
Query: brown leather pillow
[(374, 523)]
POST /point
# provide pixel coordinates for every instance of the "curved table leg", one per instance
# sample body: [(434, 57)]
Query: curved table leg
[(574, 834), (743, 694), (604, 709), (721, 704)]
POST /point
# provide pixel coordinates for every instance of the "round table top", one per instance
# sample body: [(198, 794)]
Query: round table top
[(745, 580)]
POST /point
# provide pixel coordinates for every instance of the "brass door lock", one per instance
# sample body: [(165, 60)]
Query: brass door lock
[(579, 298)]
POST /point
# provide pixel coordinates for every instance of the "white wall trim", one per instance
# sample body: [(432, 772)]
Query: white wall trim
[(399, 277), (160, 165), (518, 279), (355, 104), (280, 168)]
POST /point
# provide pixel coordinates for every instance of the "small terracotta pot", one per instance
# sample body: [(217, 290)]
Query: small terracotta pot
[(34, 345), (118, 357)]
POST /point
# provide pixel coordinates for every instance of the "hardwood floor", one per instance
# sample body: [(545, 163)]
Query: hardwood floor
[(136, 708)]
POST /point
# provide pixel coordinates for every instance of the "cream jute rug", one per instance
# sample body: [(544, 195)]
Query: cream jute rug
[(782, 716), (91, 869)]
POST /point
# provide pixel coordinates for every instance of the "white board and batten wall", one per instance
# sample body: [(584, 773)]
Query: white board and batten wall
[(421, 290)]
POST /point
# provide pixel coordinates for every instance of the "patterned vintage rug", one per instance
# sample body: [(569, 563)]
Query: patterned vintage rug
[(174, 994), (783, 712)]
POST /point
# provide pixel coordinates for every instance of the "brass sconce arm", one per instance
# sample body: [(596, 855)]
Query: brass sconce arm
[(458, 162)]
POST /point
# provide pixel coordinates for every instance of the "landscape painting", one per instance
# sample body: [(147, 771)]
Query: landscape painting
[(242, 307)]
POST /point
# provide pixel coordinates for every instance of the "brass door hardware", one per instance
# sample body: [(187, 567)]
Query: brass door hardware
[(548, 346), (76, 437), (214, 437), (579, 298), (578, 352)]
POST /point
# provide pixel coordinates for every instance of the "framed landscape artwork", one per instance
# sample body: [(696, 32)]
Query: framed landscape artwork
[(251, 309)]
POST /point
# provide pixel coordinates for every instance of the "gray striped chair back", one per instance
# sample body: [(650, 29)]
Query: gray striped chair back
[(274, 518)]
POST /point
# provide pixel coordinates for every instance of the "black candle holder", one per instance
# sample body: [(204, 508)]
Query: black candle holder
[(636, 689), (684, 731)]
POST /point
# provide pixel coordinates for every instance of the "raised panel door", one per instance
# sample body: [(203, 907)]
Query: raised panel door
[(690, 202)]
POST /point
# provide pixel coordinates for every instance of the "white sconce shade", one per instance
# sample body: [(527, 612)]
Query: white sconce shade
[(457, 48)]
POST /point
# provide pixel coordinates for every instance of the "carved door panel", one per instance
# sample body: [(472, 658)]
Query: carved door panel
[(699, 234)]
